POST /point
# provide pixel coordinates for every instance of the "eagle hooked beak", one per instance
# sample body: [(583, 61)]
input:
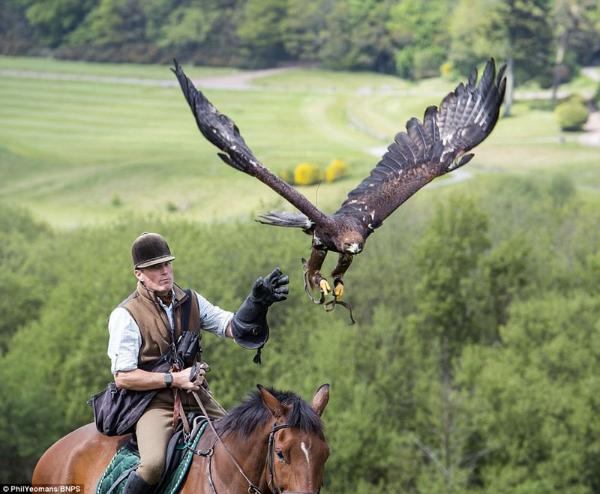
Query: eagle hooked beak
[(353, 248)]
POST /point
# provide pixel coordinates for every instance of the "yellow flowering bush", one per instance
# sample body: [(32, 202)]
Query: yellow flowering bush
[(307, 174), (335, 170), (447, 70)]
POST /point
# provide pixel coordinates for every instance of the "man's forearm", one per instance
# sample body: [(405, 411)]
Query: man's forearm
[(140, 380)]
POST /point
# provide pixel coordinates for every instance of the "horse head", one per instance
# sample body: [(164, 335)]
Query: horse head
[(297, 449), (279, 442)]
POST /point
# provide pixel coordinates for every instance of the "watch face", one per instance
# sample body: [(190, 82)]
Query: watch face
[(168, 379)]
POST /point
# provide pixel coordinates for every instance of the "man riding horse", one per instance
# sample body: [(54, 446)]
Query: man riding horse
[(151, 327)]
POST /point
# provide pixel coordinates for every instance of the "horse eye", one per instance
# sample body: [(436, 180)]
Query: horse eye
[(280, 456)]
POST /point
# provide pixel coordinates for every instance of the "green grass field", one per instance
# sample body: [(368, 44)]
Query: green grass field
[(83, 151)]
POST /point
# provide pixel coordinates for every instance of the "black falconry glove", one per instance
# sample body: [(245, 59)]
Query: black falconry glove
[(249, 323)]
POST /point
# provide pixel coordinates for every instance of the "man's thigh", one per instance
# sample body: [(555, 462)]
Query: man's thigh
[(153, 431)]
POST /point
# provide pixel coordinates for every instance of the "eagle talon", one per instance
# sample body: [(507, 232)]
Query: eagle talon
[(338, 290), (324, 286), (308, 285)]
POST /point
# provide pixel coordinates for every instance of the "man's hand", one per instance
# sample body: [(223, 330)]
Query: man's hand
[(273, 288), (249, 324), (190, 379)]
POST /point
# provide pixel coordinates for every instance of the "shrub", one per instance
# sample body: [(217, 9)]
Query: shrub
[(116, 201), (571, 114), (307, 174), (447, 70), (335, 170), (427, 61), (404, 60)]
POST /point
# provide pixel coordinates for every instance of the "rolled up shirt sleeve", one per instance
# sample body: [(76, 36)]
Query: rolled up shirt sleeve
[(124, 342), (213, 318)]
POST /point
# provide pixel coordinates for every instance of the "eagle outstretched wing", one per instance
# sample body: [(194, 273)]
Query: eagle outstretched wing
[(223, 133), (430, 148)]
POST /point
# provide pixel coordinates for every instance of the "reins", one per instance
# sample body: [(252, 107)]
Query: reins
[(252, 489)]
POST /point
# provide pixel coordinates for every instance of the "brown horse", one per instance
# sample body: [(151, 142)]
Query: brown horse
[(271, 443)]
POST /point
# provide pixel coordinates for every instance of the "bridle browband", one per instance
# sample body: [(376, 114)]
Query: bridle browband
[(270, 460)]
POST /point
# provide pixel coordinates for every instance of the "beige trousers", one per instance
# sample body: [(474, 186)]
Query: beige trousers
[(155, 428)]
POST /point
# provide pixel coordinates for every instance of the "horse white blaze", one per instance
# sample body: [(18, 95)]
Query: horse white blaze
[(305, 451)]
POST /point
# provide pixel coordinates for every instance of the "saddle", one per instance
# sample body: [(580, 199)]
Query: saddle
[(180, 453)]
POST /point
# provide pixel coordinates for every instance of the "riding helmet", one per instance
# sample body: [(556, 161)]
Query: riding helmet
[(150, 249)]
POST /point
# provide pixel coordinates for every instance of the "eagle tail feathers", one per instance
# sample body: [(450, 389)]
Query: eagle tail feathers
[(286, 219)]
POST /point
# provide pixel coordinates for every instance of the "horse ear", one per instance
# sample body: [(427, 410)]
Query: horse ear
[(273, 404), (321, 399)]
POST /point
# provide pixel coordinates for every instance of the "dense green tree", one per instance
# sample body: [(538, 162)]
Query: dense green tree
[(534, 398), (21, 295), (55, 19), (356, 36), (201, 31), (341, 35), (260, 31), (423, 44), (113, 22), (448, 317), (301, 29), (516, 31), (576, 27), (16, 34)]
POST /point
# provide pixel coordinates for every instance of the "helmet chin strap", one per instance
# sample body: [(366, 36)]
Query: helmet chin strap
[(159, 294), (166, 297)]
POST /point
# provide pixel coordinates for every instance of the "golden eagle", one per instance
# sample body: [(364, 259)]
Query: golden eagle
[(425, 151)]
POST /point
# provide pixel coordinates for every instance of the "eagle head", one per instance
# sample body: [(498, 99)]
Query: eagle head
[(353, 247), (346, 236), (350, 241), (344, 242)]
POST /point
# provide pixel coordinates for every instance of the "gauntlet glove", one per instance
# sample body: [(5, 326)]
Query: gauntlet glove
[(249, 323)]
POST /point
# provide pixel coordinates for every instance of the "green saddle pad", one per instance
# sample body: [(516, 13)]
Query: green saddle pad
[(125, 460)]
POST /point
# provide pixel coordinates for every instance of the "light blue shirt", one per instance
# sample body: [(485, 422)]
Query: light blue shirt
[(125, 338)]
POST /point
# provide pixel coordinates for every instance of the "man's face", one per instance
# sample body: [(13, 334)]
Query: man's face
[(158, 278)]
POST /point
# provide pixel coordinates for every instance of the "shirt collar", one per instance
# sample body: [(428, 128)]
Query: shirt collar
[(170, 306)]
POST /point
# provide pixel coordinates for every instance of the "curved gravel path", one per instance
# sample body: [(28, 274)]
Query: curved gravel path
[(239, 80)]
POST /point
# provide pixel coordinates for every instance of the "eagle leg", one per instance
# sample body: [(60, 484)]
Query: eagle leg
[(313, 270), (342, 266)]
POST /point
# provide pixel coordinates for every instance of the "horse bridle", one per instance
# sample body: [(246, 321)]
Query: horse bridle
[(271, 461), (252, 489)]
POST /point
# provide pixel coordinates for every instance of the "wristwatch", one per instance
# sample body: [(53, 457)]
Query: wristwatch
[(168, 377)]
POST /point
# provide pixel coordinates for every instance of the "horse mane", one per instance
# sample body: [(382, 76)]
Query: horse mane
[(245, 418)]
